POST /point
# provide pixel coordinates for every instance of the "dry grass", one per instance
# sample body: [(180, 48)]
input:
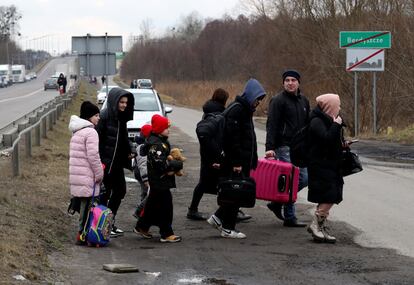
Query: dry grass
[(33, 206)]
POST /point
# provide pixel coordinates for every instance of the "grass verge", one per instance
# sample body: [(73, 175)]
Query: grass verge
[(33, 206)]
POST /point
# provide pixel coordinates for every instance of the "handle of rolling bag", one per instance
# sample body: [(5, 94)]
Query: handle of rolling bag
[(240, 192)]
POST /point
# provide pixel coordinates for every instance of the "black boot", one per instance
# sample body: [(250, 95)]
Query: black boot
[(196, 215)]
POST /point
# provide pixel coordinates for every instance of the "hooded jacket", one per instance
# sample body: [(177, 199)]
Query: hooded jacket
[(240, 145), (287, 114), (114, 145), (85, 168), (212, 107)]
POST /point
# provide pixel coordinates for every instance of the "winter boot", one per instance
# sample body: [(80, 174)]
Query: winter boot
[(315, 228), (325, 230)]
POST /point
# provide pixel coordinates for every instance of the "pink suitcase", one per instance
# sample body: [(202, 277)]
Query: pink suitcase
[(276, 180)]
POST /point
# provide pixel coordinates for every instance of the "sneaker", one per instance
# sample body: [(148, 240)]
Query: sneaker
[(171, 238), (215, 222), (241, 216), (144, 234), (116, 232), (196, 215), (232, 234)]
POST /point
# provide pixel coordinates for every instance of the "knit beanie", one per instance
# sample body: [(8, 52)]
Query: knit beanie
[(88, 110), (292, 73), (146, 130), (159, 124), (330, 104)]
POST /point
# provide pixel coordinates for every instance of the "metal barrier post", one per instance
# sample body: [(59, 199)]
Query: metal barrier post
[(15, 160), (37, 135), (44, 128), (50, 121), (28, 143)]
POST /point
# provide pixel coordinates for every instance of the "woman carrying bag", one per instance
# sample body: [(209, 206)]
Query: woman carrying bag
[(326, 145)]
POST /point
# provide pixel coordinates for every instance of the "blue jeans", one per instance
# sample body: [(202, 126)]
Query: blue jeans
[(283, 154)]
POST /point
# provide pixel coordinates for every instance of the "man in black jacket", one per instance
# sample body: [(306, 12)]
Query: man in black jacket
[(288, 112), (114, 148)]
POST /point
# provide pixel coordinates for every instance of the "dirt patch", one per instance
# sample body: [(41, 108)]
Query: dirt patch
[(33, 206)]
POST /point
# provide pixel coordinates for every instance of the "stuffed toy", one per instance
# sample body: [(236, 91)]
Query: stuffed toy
[(175, 154)]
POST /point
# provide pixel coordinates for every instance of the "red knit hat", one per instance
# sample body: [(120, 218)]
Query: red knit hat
[(146, 130), (159, 124)]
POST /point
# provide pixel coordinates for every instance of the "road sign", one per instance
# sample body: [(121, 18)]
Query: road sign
[(364, 39), (97, 53), (96, 44), (365, 60)]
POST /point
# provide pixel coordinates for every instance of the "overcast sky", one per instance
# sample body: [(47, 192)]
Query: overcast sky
[(49, 24)]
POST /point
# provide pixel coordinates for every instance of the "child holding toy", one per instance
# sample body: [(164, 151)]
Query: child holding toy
[(159, 208)]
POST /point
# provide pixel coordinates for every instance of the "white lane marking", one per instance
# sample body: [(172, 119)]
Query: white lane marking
[(21, 97)]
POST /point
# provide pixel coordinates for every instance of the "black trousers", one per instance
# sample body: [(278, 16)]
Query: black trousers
[(158, 211), (228, 213), (207, 184), (115, 189)]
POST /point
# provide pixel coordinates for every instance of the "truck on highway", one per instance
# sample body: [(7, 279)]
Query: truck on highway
[(19, 73), (5, 75)]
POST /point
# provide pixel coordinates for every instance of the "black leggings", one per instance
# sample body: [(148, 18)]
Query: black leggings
[(115, 189)]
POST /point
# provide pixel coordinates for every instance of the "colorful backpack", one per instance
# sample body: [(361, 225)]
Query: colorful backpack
[(98, 226)]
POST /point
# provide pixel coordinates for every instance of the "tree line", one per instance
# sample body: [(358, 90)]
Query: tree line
[(300, 34)]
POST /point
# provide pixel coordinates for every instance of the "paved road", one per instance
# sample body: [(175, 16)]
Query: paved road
[(271, 254), (377, 201), (22, 98)]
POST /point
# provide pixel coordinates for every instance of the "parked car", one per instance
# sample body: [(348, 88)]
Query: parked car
[(51, 83), (144, 83), (101, 96), (147, 104)]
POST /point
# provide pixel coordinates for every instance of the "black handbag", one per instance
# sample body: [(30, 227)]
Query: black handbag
[(237, 190), (350, 163)]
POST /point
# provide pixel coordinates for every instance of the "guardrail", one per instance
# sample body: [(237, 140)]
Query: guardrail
[(36, 124)]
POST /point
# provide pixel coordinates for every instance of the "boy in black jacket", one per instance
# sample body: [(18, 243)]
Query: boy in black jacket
[(159, 208)]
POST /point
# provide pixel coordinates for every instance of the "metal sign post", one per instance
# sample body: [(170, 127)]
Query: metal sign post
[(356, 103), (374, 101)]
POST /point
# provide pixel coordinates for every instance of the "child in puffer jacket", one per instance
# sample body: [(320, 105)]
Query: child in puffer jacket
[(85, 167), (140, 168)]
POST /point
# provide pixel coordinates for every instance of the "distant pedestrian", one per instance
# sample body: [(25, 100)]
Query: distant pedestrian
[(115, 149), (288, 112), (140, 168), (240, 151), (103, 79), (85, 168), (62, 82), (158, 209), (326, 144)]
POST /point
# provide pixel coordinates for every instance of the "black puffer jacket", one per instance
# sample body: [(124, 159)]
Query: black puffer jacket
[(157, 148), (324, 169), (213, 107), (286, 115), (114, 146)]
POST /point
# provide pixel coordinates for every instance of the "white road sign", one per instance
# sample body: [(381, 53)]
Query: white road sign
[(365, 59)]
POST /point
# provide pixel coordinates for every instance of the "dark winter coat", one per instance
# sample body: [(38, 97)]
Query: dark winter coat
[(208, 174), (157, 148), (114, 146), (324, 168), (287, 114), (240, 145)]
